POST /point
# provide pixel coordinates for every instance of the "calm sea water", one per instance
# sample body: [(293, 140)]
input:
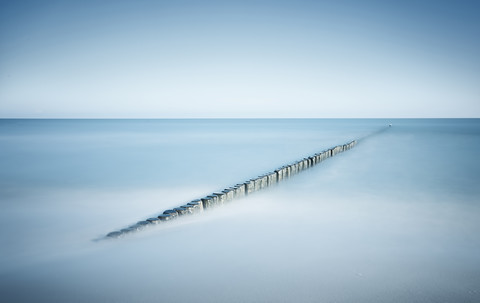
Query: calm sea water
[(396, 219)]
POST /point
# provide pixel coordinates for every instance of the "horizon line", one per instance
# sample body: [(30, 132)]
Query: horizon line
[(220, 118)]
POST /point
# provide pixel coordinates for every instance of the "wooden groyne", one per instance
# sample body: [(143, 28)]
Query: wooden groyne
[(237, 191)]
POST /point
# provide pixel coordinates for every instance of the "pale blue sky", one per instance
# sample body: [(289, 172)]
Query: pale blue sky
[(202, 59)]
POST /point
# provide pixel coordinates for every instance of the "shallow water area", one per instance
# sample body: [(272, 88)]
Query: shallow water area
[(392, 220)]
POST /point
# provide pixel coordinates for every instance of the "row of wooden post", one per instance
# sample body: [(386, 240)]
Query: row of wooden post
[(237, 191)]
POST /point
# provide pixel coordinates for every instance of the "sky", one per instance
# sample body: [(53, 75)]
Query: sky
[(239, 59)]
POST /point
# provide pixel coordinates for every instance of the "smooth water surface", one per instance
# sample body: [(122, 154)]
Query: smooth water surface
[(393, 220)]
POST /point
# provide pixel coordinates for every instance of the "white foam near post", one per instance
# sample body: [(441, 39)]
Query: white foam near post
[(237, 191)]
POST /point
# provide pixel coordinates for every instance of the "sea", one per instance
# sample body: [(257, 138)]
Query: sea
[(395, 219)]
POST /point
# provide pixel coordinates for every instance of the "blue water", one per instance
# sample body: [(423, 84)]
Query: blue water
[(146, 153), (393, 220)]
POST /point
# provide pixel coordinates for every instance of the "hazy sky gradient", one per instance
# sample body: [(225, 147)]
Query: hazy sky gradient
[(200, 59)]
